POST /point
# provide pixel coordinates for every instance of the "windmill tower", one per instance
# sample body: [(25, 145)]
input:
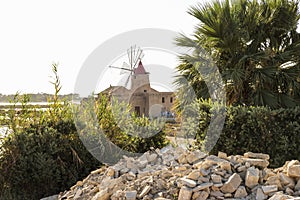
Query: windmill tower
[(136, 75)]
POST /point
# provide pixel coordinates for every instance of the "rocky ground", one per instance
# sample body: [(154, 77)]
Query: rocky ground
[(176, 173)]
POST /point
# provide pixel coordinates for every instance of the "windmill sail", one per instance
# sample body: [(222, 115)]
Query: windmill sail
[(124, 67), (128, 83), (134, 56)]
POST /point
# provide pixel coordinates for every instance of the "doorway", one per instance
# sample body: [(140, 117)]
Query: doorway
[(137, 110)]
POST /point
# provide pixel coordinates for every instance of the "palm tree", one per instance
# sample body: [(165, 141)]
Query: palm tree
[(255, 46)]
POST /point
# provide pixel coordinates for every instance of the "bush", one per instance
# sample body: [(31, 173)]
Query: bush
[(110, 130), (256, 129), (42, 160), (43, 154)]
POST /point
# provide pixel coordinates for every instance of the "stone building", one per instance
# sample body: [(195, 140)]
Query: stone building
[(143, 99)]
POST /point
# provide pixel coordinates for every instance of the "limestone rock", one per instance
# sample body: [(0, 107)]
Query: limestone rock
[(216, 178), (194, 156), (280, 196), (256, 162), (131, 195), (201, 195), (217, 194), (240, 192), (194, 175), (293, 169), (257, 155), (53, 197), (188, 182), (222, 155), (274, 180), (252, 177), (102, 195), (145, 191), (178, 173), (297, 186), (269, 189), (185, 193), (286, 180), (202, 186), (231, 184), (260, 195)]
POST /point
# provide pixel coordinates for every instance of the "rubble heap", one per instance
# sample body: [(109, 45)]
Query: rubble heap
[(176, 173)]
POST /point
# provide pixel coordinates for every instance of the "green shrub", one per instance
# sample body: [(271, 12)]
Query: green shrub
[(42, 160), (42, 155), (109, 129), (45, 153), (256, 129)]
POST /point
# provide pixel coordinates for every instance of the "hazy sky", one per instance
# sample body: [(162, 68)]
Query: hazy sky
[(36, 33)]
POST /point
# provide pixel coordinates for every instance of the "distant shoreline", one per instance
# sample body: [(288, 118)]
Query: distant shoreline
[(40, 97)]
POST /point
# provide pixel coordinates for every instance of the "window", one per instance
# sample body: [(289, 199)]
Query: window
[(163, 99), (171, 100), (145, 90)]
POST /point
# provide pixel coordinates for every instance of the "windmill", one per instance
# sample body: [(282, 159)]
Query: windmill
[(134, 55)]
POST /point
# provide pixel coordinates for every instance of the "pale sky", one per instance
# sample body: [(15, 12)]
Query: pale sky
[(36, 33)]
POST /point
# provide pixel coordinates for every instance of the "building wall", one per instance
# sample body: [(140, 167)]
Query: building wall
[(139, 100), (140, 82), (142, 97), (161, 100)]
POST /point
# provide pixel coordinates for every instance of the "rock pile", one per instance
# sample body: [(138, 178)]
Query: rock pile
[(176, 173)]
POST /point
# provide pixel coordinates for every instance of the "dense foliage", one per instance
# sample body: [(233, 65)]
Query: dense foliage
[(42, 160), (254, 45), (44, 153), (257, 129), (120, 132)]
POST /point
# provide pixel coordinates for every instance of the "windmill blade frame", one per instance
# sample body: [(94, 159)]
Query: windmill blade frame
[(128, 81), (134, 56), (120, 68)]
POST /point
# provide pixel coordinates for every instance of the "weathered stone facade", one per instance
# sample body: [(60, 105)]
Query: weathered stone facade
[(143, 99)]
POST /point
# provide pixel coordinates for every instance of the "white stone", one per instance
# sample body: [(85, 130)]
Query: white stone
[(286, 180), (293, 169), (145, 191), (188, 182), (222, 155), (252, 177), (194, 175), (102, 195), (216, 178), (267, 189), (260, 195), (202, 186), (256, 162), (257, 155), (231, 184), (185, 193), (297, 186), (216, 194), (240, 192), (131, 195)]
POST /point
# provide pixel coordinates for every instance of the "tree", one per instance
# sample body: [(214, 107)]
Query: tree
[(255, 46)]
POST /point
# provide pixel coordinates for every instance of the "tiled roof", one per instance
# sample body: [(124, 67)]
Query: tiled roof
[(140, 69)]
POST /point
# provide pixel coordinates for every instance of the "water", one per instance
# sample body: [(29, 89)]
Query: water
[(6, 105), (29, 103)]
